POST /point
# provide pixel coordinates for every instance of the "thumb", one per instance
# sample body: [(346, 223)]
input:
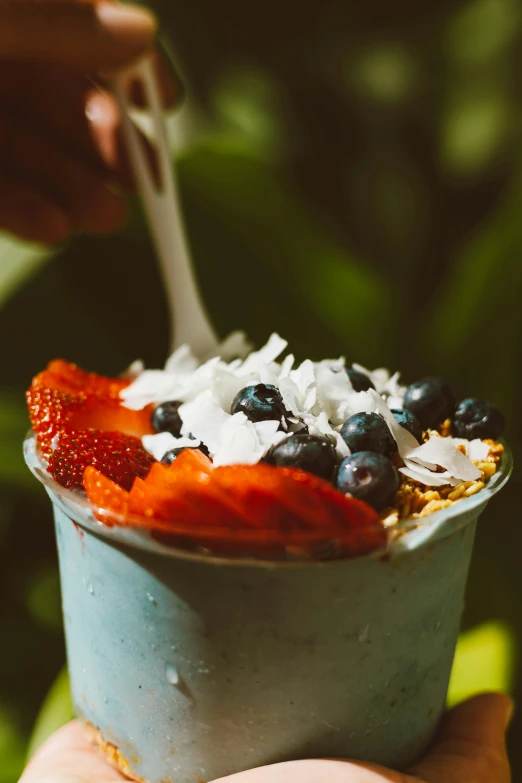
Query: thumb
[(471, 745), (69, 757), (84, 35)]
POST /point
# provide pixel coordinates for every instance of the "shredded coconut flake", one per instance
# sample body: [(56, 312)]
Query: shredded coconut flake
[(426, 476), (159, 444), (316, 394), (444, 452)]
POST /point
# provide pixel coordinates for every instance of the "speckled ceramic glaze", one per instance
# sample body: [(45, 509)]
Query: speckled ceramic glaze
[(196, 667)]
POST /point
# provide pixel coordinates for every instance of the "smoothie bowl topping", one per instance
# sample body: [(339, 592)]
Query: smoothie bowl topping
[(261, 449)]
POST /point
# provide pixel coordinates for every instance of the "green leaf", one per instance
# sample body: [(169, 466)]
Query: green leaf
[(482, 31), (11, 748), (43, 598), (55, 712), (233, 200), (18, 260), (14, 423), (478, 314), (484, 660)]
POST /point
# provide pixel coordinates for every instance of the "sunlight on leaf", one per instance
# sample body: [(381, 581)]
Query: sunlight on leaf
[(485, 281), (43, 597), (484, 661), (249, 103), (482, 30), (18, 261), (474, 129), (11, 748), (387, 73), (255, 205), (56, 710), (14, 423)]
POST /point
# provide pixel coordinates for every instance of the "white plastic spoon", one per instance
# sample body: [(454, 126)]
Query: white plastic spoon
[(189, 321)]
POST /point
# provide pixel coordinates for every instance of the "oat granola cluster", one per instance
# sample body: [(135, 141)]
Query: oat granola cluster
[(415, 500)]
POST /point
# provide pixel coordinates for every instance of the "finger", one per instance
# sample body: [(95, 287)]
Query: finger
[(79, 190), (31, 215), (316, 771), (86, 36), (84, 118), (107, 134), (472, 744), (69, 757)]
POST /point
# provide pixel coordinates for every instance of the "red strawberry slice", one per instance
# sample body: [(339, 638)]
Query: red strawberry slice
[(104, 493), (293, 500), (190, 462), (61, 374), (56, 402), (187, 493), (119, 457), (169, 504), (257, 491)]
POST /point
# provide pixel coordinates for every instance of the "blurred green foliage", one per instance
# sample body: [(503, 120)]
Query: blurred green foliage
[(351, 177)]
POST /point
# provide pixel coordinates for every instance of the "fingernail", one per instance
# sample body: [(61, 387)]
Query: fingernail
[(131, 27)]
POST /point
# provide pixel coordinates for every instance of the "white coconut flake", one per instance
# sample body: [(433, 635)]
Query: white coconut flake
[(235, 345), (286, 366), (204, 418), (317, 394), (226, 384), (334, 391), (152, 386), (159, 444), (426, 476), (134, 369), (243, 442), (404, 439), (321, 426), (476, 449), (444, 452), (182, 361)]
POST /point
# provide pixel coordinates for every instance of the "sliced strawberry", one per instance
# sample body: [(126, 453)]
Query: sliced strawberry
[(292, 500), (245, 510), (61, 374), (55, 402), (104, 493), (171, 504), (257, 491), (119, 457), (191, 461)]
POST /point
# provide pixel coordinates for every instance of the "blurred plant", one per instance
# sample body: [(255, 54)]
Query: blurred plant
[(484, 661), (354, 184)]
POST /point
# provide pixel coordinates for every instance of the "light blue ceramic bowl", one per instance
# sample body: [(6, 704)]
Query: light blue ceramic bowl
[(196, 666)]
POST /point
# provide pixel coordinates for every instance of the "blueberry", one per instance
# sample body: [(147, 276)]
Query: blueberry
[(312, 453), (165, 418), (477, 419), (262, 402), (430, 400), (359, 380), (368, 476), (169, 456), (410, 422), (368, 432)]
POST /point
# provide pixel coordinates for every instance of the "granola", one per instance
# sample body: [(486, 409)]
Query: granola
[(415, 500)]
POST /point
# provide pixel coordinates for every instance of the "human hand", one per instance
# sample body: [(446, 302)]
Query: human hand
[(470, 749), (61, 155)]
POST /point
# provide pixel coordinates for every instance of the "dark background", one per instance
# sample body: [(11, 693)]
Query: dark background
[(351, 177)]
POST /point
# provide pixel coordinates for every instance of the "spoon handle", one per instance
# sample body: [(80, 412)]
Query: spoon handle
[(189, 321)]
